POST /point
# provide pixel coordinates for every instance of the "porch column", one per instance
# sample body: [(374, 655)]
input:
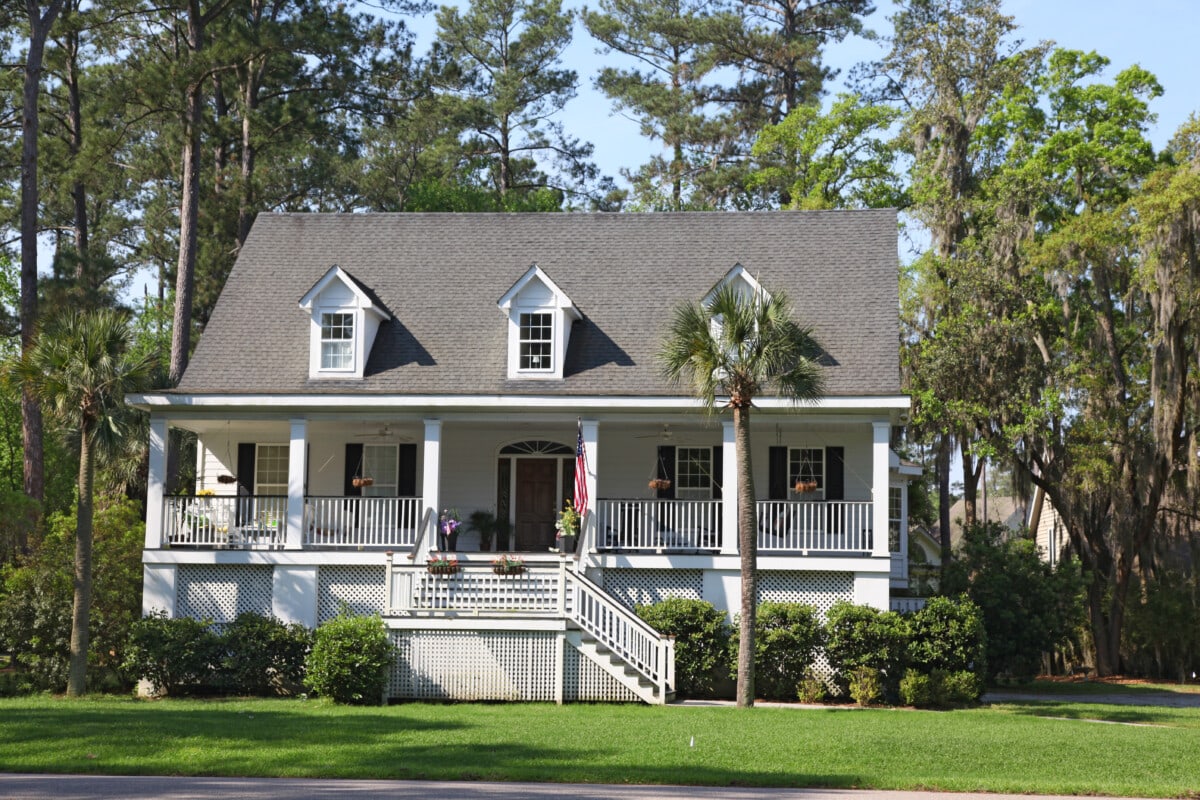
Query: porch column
[(297, 467), (590, 429), (155, 481), (880, 449), (431, 482), (729, 489)]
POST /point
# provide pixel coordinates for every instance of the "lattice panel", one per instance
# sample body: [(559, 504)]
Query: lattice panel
[(222, 591), (474, 665), (642, 587), (817, 589), (362, 588), (585, 681)]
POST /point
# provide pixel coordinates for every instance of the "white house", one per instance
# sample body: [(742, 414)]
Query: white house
[(452, 359)]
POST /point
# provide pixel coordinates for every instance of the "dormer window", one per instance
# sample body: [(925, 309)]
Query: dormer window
[(537, 341), (337, 341), (539, 318), (345, 316)]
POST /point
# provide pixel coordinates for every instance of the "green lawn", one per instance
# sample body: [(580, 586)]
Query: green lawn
[(1041, 747)]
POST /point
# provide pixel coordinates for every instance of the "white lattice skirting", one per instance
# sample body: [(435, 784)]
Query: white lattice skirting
[(643, 587), (361, 589), (495, 665), (220, 592)]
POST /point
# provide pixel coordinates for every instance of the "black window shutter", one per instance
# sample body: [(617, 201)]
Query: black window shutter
[(406, 483), (245, 468), (777, 474), (354, 453), (718, 471), (835, 473), (666, 471)]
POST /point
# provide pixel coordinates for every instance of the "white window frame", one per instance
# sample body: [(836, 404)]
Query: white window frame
[(549, 358), (371, 466), (796, 457), (351, 340), (259, 451), (682, 459)]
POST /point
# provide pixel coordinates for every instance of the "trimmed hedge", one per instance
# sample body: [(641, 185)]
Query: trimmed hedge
[(787, 638), (863, 636), (263, 656), (177, 656), (702, 639), (350, 659)]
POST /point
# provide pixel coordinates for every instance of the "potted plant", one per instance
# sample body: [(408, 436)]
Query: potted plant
[(440, 564), (360, 482), (491, 529), (448, 525), (806, 486), (660, 484), (568, 528), (508, 564)]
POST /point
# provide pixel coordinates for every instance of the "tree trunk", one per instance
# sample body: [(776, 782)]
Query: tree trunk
[(943, 474), (748, 551), (31, 409), (81, 609), (189, 213)]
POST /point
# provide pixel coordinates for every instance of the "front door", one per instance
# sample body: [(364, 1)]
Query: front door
[(537, 493)]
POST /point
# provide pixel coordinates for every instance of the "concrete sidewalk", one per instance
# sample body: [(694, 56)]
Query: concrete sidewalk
[(116, 787)]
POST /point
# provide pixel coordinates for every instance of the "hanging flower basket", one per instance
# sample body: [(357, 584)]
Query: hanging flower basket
[(226, 479), (508, 565), (359, 483), (806, 486), (660, 484)]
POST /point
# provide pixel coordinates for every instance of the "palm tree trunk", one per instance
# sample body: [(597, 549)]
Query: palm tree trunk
[(748, 549), (81, 610)]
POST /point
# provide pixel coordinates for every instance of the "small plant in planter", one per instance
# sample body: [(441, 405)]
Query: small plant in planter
[(508, 564), (567, 527), (440, 564)]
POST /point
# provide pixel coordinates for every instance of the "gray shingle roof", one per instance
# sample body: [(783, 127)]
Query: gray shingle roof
[(442, 274)]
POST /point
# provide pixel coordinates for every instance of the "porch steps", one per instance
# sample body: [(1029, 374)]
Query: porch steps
[(623, 672)]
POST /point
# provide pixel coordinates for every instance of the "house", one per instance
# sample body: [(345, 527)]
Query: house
[(362, 373)]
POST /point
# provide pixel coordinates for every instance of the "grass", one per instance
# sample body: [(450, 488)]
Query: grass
[(1039, 747), (1100, 686)]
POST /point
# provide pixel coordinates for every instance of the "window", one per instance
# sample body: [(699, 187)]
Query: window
[(381, 461), (895, 515), (806, 465), (693, 473), (537, 342), (337, 341), (271, 469)]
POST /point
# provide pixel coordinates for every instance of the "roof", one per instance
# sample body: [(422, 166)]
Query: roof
[(441, 276)]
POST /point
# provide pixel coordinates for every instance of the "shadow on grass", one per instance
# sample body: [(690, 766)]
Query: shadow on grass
[(1102, 712)]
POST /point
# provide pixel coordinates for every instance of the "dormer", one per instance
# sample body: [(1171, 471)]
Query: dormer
[(742, 282), (345, 317), (539, 324)]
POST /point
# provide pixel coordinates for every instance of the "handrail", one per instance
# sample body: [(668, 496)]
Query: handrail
[(421, 529)]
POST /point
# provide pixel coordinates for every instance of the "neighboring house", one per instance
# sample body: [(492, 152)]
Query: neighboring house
[(1048, 529), (452, 359)]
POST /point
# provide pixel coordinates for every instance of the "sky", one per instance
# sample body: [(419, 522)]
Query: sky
[(1160, 35)]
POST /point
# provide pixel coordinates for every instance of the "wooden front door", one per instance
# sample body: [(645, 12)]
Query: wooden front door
[(537, 494)]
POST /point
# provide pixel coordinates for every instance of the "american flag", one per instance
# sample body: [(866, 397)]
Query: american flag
[(581, 493)]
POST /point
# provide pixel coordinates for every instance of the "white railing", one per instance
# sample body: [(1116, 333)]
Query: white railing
[(551, 590), (666, 525), (834, 526), (907, 605), (361, 521), (235, 522), (623, 632)]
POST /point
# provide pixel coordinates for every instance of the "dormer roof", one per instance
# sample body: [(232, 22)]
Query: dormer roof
[(366, 298), (537, 274)]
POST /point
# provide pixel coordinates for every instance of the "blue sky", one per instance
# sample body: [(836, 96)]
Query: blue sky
[(1160, 35)]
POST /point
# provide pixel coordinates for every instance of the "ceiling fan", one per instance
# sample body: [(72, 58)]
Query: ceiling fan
[(665, 434), (384, 433)]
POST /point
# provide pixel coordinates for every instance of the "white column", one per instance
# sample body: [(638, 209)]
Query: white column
[(591, 445), (880, 450), (158, 588), (729, 489), (873, 589), (297, 463), (155, 481), (431, 477)]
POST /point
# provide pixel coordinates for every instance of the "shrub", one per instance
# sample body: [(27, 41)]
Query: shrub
[(811, 688), (702, 638), (787, 637), (263, 656), (349, 660), (947, 635), (866, 685), (963, 688), (176, 656), (916, 689), (862, 636), (939, 688)]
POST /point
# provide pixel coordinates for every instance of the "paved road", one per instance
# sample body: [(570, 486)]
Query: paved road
[(104, 787)]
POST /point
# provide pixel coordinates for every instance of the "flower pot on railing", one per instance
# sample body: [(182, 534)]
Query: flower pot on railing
[(512, 569), (442, 569), (567, 544)]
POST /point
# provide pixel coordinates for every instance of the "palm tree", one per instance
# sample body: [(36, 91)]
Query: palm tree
[(81, 369), (738, 346)]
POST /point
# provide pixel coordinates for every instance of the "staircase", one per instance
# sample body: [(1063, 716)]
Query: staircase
[(619, 669)]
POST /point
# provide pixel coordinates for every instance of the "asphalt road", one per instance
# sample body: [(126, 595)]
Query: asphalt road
[(115, 787)]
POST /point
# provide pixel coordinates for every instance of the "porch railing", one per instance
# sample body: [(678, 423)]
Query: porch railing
[(833, 526), (666, 525), (361, 521), (235, 522)]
